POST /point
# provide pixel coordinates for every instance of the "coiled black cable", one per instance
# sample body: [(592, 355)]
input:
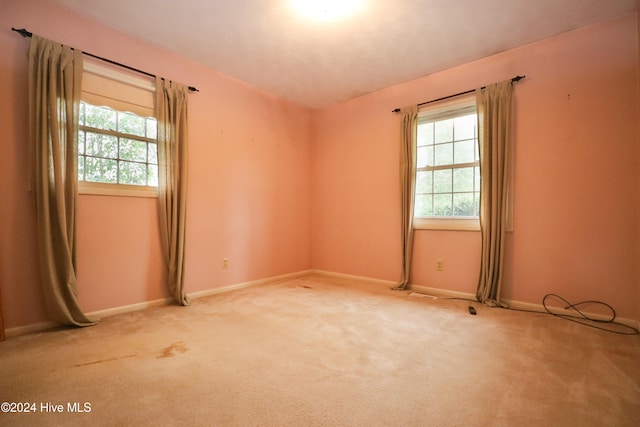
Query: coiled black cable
[(582, 318)]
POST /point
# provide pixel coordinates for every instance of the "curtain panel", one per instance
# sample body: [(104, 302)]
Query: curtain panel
[(409, 129), (171, 113), (494, 135), (55, 78)]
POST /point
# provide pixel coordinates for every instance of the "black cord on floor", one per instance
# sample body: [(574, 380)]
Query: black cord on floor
[(581, 318)]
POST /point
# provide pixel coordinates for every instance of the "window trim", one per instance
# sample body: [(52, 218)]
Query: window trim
[(108, 189), (450, 224)]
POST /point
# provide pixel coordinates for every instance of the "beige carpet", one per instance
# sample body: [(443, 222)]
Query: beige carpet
[(317, 351)]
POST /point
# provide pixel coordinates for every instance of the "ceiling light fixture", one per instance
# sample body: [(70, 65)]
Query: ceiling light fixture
[(325, 10)]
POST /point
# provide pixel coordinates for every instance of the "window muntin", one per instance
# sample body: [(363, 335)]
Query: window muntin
[(448, 167), (116, 147)]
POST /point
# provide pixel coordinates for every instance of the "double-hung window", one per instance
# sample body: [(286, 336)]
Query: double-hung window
[(117, 149), (448, 167)]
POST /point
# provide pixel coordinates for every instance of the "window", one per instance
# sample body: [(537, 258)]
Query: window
[(448, 167), (117, 147)]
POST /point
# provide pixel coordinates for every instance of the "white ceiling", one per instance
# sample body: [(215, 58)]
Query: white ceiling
[(316, 64)]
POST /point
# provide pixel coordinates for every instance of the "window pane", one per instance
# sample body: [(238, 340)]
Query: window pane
[(152, 128), (425, 156), (133, 173), (443, 131), (463, 204), (424, 205), (442, 205), (133, 150), (80, 168), (101, 170), (81, 137), (81, 114), (101, 145), (476, 204), (425, 134), (100, 117), (424, 182), (152, 176), (477, 182), (442, 181), (464, 151), (462, 180), (131, 124), (153, 153), (443, 154), (464, 127)]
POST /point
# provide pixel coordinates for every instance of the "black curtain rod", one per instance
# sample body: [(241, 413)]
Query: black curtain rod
[(24, 33), (513, 80)]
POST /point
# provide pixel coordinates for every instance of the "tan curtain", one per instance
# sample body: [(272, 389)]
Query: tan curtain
[(55, 77), (171, 105), (494, 131), (408, 134)]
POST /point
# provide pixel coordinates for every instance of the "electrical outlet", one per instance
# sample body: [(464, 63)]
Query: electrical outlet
[(225, 263), (439, 265)]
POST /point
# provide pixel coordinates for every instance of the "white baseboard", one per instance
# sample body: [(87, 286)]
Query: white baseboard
[(43, 326), (29, 329), (229, 288), (129, 308), (388, 283), (441, 293)]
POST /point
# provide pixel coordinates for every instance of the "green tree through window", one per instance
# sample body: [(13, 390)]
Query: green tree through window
[(448, 168), (116, 147)]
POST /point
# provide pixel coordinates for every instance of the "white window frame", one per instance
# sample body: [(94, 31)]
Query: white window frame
[(139, 93), (442, 111), (107, 189)]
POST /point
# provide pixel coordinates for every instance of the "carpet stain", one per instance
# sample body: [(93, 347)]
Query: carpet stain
[(172, 349), (105, 360)]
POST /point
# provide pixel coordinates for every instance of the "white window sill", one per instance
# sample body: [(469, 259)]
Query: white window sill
[(455, 224), (102, 189)]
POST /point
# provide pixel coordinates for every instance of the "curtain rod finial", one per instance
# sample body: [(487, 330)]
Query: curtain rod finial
[(22, 31)]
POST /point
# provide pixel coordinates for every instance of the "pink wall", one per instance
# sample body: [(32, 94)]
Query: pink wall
[(576, 180), (249, 180)]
